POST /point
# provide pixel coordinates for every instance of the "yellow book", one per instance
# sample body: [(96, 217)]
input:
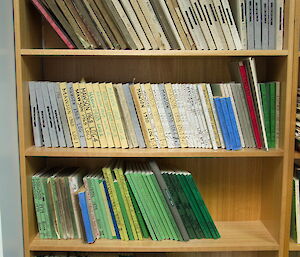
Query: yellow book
[(136, 230), (117, 115), (211, 115), (89, 113), (176, 115), (69, 114), (83, 117), (142, 112), (155, 115), (110, 115), (115, 202), (102, 113), (96, 115), (107, 211)]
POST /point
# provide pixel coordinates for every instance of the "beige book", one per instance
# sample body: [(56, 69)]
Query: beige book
[(89, 113), (144, 23), (116, 113), (69, 114), (142, 113), (96, 114), (110, 116), (176, 115), (126, 116), (211, 114), (155, 115), (102, 113), (83, 116)]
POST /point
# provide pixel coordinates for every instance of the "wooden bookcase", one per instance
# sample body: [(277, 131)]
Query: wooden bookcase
[(247, 192)]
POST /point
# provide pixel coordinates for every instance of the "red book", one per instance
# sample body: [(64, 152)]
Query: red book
[(250, 104), (53, 24)]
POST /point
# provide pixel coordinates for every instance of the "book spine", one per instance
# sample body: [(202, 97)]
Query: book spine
[(279, 24), (257, 14), (265, 24), (272, 87), (277, 125), (250, 23), (265, 103), (272, 22), (102, 113)]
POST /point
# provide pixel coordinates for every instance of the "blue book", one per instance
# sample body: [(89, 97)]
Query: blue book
[(227, 122), (237, 141), (222, 122), (85, 217), (111, 210)]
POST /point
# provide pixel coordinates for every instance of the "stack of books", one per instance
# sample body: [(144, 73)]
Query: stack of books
[(211, 116), (295, 216), (122, 200), (297, 131), (166, 24)]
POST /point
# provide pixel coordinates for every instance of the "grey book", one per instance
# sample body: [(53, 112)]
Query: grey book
[(76, 115), (250, 23), (49, 112), (264, 25), (169, 115), (36, 125), (163, 186), (133, 116), (272, 22), (43, 115), (63, 116), (257, 24), (56, 115)]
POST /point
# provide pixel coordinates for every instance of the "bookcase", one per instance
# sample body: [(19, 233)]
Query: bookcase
[(247, 192)]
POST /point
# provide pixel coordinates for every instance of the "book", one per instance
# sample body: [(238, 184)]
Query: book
[(257, 15), (250, 23)]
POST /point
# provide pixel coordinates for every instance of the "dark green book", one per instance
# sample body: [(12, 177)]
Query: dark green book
[(293, 214), (265, 97), (272, 87)]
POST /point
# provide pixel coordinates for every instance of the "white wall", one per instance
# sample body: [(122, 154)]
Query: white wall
[(10, 203)]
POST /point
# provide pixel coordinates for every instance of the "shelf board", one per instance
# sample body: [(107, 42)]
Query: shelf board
[(235, 236), (150, 152), (172, 53), (293, 247), (297, 155)]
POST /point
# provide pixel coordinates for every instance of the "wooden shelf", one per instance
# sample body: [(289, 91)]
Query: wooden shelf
[(108, 152), (294, 246), (236, 236), (297, 155), (172, 53)]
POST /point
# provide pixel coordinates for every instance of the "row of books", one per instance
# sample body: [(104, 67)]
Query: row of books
[(295, 216), (123, 200), (226, 115), (166, 24), (80, 254), (297, 129)]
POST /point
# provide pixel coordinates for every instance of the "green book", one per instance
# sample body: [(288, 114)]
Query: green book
[(265, 96), (206, 214), (272, 86), (123, 210), (143, 226)]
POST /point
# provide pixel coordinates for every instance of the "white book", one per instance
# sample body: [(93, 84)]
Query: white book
[(265, 24), (297, 208), (250, 23), (135, 23), (232, 25), (238, 121), (277, 131), (43, 115), (257, 24), (193, 26), (36, 125), (224, 25), (49, 113), (203, 24), (193, 91), (127, 23), (214, 17), (150, 116), (207, 118), (183, 114), (279, 24), (159, 33), (212, 103), (56, 115), (272, 22), (163, 116), (238, 8), (259, 102)]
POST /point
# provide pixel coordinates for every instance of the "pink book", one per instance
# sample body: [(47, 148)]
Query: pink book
[(250, 104), (53, 24)]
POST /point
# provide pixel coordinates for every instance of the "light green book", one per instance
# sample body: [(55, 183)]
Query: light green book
[(265, 96)]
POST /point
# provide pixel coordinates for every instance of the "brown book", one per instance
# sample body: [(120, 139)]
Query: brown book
[(111, 24), (64, 23), (89, 23), (80, 23)]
